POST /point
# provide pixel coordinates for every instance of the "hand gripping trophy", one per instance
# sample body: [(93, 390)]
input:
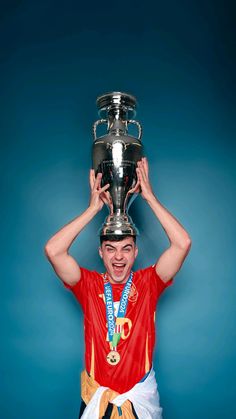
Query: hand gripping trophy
[(115, 155)]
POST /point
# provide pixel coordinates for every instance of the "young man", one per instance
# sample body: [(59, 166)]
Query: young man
[(119, 308)]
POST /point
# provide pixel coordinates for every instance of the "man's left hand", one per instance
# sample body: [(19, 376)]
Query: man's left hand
[(143, 183)]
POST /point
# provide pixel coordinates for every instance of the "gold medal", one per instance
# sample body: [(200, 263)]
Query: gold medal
[(113, 358)]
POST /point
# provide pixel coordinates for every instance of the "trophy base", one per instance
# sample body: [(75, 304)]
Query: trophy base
[(120, 225)]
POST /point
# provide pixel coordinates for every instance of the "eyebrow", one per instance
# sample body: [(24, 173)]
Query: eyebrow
[(109, 245), (113, 247)]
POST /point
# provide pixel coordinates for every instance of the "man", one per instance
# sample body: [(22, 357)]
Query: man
[(119, 307)]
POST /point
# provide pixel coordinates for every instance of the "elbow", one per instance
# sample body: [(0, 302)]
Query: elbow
[(186, 244), (49, 251)]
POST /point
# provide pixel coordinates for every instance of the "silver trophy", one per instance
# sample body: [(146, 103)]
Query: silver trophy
[(115, 155)]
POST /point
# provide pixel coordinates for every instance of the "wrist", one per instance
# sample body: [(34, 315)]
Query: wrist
[(92, 210), (151, 199)]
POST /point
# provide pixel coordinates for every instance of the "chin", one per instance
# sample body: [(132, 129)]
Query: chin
[(120, 278)]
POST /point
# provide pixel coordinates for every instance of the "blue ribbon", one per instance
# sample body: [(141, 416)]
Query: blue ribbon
[(110, 315)]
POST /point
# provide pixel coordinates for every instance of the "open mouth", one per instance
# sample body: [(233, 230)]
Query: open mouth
[(118, 268)]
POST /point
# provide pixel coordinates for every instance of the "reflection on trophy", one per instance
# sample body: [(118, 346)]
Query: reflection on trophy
[(115, 155)]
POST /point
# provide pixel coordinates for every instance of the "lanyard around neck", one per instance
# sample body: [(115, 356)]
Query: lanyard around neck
[(110, 315)]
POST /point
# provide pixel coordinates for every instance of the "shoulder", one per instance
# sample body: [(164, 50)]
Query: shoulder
[(145, 272), (89, 273), (87, 278), (144, 276), (149, 275)]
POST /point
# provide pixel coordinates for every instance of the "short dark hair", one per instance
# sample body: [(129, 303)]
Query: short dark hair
[(116, 238)]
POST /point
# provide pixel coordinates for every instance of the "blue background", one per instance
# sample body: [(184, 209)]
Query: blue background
[(178, 59)]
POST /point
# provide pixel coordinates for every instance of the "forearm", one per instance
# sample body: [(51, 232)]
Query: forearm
[(63, 239), (176, 233)]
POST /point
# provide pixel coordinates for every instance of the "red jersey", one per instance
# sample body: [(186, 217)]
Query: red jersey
[(138, 332)]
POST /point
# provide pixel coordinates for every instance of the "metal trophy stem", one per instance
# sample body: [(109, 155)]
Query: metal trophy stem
[(115, 155)]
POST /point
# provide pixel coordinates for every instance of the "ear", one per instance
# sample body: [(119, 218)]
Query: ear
[(136, 252), (100, 252)]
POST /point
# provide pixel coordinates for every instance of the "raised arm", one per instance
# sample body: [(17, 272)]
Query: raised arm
[(57, 247), (171, 259)]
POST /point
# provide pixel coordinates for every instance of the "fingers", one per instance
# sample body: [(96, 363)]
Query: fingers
[(91, 178), (136, 188), (142, 169), (104, 188), (141, 173), (139, 176), (103, 194), (106, 198), (97, 181), (145, 165)]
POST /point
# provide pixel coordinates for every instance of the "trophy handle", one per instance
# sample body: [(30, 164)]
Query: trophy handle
[(132, 121), (100, 121)]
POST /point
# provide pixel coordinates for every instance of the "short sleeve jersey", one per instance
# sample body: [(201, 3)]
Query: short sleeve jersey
[(138, 330)]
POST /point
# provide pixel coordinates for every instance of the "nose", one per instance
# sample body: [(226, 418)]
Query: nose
[(118, 255)]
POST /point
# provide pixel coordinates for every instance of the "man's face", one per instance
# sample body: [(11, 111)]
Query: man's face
[(118, 258)]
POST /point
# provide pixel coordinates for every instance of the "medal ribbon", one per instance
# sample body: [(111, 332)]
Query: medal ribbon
[(114, 331)]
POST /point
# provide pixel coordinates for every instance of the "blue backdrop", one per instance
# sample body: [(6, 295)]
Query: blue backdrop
[(177, 59)]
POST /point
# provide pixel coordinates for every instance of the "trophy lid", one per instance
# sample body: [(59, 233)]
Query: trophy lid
[(116, 100)]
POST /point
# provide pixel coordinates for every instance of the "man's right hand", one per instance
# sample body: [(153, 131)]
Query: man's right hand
[(98, 195)]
